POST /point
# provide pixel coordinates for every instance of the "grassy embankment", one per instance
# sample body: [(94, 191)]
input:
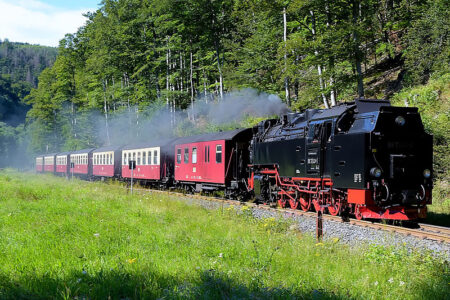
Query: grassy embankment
[(61, 239)]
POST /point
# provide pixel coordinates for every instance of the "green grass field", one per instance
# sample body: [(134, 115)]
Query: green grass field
[(63, 240)]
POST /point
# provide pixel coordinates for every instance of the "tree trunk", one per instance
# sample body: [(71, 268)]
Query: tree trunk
[(219, 67), (357, 51), (191, 78), (286, 78), (331, 59), (319, 67), (105, 107), (204, 86)]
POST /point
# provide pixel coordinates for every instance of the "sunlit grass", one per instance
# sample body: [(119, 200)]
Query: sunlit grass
[(63, 239)]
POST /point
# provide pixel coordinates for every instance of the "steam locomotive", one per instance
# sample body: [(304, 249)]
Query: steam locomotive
[(365, 158)]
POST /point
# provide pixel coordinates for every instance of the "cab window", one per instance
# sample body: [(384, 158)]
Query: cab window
[(194, 155), (218, 154), (178, 156), (186, 155), (155, 157)]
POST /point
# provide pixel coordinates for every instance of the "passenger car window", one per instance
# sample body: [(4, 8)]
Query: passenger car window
[(155, 157), (144, 158), (194, 155), (186, 155), (149, 157), (218, 154), (178, 156), (139, 158)]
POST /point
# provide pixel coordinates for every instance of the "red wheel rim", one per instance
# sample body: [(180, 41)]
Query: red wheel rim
[(305, 203), (282, 203), (335, 209), (358, 214), (293, 203)]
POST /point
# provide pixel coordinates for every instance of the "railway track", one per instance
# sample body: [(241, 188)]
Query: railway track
[(425, 231)]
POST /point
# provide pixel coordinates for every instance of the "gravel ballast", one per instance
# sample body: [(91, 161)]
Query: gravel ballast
[(353, 235)]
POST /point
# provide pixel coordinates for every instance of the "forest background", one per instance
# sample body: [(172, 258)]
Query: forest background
[(135, 60)]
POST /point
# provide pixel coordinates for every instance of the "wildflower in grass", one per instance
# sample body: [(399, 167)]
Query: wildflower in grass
[(319, 244), (131, 260), (220, 255), (391, 280), (231, 207), (375, 283), (245, 208), (78, 280), (402, 283), (335, 240), (96, 234), (84, 272)]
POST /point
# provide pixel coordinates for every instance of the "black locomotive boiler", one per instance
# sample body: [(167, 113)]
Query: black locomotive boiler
[(365, 157)]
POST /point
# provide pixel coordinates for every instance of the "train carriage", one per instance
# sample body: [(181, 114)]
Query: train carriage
[(49, 163), (62, 163), (82, 162), (39, 164), (106, 162), (154, 162), (213, 161)]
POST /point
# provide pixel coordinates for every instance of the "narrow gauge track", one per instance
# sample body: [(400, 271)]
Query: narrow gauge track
[(431, 232)]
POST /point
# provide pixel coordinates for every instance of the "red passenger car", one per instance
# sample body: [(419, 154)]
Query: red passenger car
[(82, 162), (49, 163), (154, 162), (106, 162), (62, 163), (213, 161), (39, 164)]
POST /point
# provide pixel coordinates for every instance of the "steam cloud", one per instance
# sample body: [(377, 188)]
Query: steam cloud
[(155, 122)]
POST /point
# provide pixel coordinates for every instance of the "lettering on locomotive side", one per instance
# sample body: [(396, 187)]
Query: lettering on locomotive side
[(357, 177)]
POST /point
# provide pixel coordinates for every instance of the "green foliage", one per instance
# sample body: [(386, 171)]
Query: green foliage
[(69, 239), (428, 48)]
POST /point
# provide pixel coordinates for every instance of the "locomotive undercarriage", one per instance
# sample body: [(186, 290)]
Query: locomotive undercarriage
[(318, 194)]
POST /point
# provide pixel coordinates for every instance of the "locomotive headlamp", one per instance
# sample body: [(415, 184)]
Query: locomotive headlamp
[(375, 172), (426, 173), (400, 121)]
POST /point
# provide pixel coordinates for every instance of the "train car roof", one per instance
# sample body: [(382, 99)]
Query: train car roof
[(88, 150), (50, 154), (214, 136), (63, 153), (107, 148), (150, 144)]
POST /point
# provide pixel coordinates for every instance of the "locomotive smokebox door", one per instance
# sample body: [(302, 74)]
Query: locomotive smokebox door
[(132, 164)]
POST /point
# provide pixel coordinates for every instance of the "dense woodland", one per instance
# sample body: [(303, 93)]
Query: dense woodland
[(20, 67), (168, 55)]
